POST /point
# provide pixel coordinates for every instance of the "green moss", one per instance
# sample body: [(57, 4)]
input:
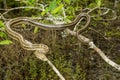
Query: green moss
[(113, 33)]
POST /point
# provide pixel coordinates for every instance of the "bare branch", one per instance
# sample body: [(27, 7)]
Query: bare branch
[(100, 34), (92, 45), (5, 4), (23, 7), (103, 13), (42, 57)]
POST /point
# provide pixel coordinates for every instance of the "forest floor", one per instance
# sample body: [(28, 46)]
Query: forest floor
[(76, 61), (15, 61)]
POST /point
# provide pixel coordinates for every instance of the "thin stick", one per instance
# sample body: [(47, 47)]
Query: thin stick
[(42, 57), (55, 69), (93, 46)]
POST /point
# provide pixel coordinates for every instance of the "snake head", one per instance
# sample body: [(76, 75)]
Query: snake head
[(43, 48)]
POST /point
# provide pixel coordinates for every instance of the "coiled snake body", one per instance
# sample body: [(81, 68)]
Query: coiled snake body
[(41, 47), (25, 43)]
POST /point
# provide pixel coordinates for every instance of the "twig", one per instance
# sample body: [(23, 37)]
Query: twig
[(23, 7), (42, 57), (104, 13), (5, 4), (92, 45), (63, 11), (2, 17), (100, 34), (55, 69), (115, 3)]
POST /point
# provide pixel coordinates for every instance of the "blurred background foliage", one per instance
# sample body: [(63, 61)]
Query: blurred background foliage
[(74, 60)]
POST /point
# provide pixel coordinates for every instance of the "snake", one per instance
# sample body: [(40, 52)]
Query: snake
[(25, 43), (40, 47), (27, 20)]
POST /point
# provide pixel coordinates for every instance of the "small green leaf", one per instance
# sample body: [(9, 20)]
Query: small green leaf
[(4, 42), (35, 30), (98, 3), (52, 5), (44, 12), (1, 24), (92, 5), (57, 9), (67, 20), (31, 2), (2, 34), (67, 1)]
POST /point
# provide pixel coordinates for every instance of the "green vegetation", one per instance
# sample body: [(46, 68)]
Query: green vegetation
[(3, 35), (74, 60)]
